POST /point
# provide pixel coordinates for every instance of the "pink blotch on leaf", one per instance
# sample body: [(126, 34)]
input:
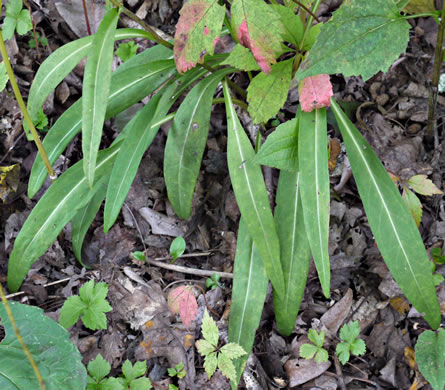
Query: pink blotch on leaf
[(215, 41), (315, 92), (244, 38), (206, 30)]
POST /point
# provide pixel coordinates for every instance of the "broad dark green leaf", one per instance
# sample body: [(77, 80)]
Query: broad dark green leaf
[(251, 195), (57, 358), (392, 224), (315, 193), (295, 250), (430, 356), (281, 147), (362, 38), (55, 209), (139, 134), (95, 91), (60, 63), (248, 295), (128, 86), (267, 93), (186, 143), (84, 217)]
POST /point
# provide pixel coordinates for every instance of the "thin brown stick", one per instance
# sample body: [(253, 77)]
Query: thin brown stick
[(307, 10), (85, 12), (33, 29), (186, 270)]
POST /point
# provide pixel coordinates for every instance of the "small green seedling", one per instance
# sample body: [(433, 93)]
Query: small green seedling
[(3, 76), (308, 351), (177, 248), (438, 257), (437, 278), (90, 305), (350, 342), (172, 387), (127, 50), (138, 255), (98, 369), (41, 40), (213, 281), (177, 371), (16, 19), (131, 380), (215, 357)]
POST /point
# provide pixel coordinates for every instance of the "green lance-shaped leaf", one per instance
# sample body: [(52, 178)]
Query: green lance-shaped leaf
[(295, 250), (267, 93), (139, 134), (293, 26), (362, 38), (60, 63), (259, 28), (248, 295), (430, 356), (95, 91), (127, 88), (281, 147), (251, 195), (186, 143), (313, 162), (57, 358), (55, 209), (84, 217), (198, 26), (392, 224)]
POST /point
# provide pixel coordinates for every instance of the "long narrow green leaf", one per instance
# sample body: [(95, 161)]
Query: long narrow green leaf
[(139, 134), (127, 88), (186, 143), (54, 210), (295, 250), (60, 63), (84, 217), (251, 195), (313, 162), (392, 224), (248, 295), (95, 91)]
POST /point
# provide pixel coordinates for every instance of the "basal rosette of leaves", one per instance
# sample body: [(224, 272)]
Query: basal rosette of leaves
[(273, 245)]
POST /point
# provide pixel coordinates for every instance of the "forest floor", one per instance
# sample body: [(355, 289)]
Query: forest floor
[(391, 112)]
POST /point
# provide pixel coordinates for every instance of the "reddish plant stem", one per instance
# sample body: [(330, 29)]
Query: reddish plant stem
[(85, 12)]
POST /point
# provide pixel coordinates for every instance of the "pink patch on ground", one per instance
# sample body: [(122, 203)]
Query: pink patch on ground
[(315, 92), (244, 38), (206, 30)]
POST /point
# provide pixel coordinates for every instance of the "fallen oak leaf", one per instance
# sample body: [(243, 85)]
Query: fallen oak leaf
[(182, 301)]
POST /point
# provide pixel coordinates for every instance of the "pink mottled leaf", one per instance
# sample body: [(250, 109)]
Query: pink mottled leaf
[(198, 27), (315, 92), (259, 28), (182, 301)]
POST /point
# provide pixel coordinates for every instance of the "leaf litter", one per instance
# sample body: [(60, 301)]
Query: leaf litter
[(142, 326)]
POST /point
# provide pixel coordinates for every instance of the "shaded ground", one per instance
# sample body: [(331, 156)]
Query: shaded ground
[(390, 110)]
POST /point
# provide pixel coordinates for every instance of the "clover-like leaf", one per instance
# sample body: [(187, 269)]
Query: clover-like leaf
[(99, 368), (16, 19)]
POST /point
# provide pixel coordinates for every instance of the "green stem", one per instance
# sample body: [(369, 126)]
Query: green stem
[(307, 27), (19, 336), (235, 101), (436, 75), (138, 20), (22, 106), (423, 15), (229, 27)]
